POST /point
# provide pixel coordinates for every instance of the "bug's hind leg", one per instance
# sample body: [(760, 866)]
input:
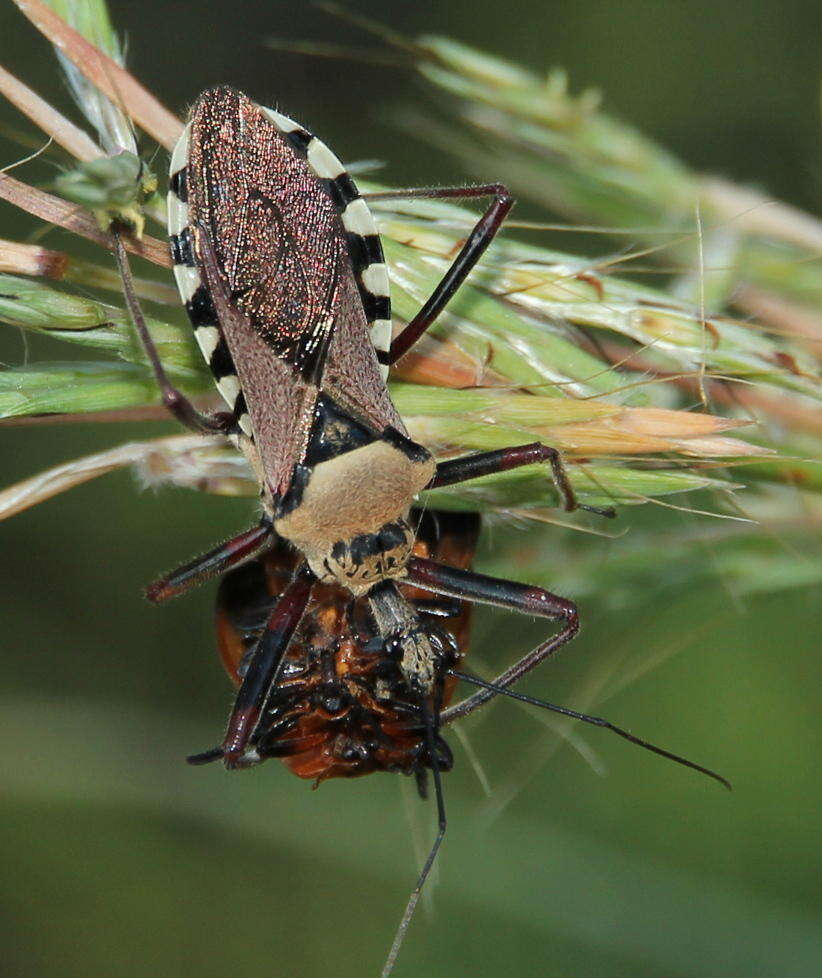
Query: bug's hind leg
[(470, 586), (469, 467), (174, 400), (470, 253)]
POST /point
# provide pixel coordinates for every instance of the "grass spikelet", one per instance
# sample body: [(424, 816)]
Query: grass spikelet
[(566, 152)]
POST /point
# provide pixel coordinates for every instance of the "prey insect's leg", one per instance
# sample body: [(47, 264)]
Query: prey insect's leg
[(470, 253), (203, 568), (470, 586), (177, 403), (484, 463), (265, 664)]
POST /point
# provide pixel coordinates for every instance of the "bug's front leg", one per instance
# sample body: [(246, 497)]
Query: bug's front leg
[(264, 666), (469, 467), (470, 586), (229, 554)]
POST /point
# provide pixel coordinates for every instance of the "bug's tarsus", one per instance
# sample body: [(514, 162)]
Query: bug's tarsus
[(178, 405), (470, 253), (229, 554), (265, 664), (494, 689), (442, 824), (607, 511)]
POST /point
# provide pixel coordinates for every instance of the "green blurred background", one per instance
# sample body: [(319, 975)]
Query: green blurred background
[(117, 859)]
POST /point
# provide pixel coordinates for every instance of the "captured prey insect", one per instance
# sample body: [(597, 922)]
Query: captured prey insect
[(341, 707), (279, 264)]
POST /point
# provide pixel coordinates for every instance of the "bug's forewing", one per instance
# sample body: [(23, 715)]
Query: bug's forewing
[(284, 273), (352, 375)]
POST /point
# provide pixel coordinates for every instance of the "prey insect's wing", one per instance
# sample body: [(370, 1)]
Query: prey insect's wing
[(296, 294)]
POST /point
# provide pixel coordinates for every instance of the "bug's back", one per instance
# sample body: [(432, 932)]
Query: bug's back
[(298, 262)]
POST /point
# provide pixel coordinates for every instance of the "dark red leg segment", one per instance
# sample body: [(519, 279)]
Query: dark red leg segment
[(176, 402), (469, 586), (485, 463), (210, 564), (470, 253), (264, 666)]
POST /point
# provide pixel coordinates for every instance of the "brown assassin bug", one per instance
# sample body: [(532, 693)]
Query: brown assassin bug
[(280, 266)]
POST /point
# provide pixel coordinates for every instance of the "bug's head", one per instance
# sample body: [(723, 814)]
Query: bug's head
[(423, 651)]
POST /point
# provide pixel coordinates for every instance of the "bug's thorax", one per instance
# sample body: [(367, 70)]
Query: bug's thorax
[(347, 505)]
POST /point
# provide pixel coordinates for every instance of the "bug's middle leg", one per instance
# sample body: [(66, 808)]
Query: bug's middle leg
[(468, 467)]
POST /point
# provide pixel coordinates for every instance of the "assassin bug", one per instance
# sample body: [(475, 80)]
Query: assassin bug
[(279, 264)]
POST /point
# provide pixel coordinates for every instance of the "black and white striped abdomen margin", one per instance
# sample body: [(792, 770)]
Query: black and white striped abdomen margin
[(364, 246), (193, 292)]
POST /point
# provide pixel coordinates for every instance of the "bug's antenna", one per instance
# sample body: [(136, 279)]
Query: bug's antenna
[(411, 906), (595, 721)]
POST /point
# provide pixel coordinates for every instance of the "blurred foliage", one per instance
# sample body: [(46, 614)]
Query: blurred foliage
[(118, 858)]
